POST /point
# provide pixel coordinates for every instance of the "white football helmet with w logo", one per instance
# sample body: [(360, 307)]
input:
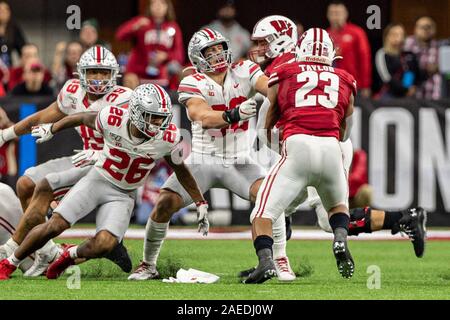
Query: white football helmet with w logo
[(316, 46), (279, 32), (97, 57)]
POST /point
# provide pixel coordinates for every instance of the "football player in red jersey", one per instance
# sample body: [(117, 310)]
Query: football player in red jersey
[(315, 102), (276, 38)]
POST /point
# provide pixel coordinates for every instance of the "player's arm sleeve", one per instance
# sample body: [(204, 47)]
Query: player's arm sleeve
[(65, 98), (77, 119), (188, 89)]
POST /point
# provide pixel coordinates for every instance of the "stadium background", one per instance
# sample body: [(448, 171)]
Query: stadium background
[(407, 140)]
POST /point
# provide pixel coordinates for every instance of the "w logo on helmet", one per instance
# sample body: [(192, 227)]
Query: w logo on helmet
[(283, 27)]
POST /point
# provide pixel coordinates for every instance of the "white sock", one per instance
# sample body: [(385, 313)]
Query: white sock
[(154, 237), (14, 261), (73, 252), (279, 237), (49, 248), (11, 244)]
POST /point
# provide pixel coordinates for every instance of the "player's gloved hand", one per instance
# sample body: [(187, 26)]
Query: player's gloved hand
[(247, 109), (202, 217), (42, 132), (85, 158)]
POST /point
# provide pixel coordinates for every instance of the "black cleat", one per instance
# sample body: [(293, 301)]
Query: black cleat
[(288, 227), (119, 255), (263, 272), (246, 273), (413, 223), (344, 260)]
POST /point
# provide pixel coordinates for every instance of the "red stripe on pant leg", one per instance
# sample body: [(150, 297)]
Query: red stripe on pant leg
[(267, 183), (271, 179), (270, 186), (7, 223), (269, 176)]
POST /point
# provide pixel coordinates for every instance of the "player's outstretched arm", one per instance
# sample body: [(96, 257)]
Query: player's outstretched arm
[(188, 182), (45, 132), (48, 115), (186, 179), (200, 111), (261, 85)]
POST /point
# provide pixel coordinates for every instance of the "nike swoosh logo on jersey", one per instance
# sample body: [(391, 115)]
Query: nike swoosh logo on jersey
[(236, 85)]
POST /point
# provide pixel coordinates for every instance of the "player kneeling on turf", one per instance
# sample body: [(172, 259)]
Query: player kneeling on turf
[(134, 140)]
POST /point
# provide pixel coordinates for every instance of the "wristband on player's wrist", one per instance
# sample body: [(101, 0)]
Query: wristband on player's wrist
[(231, 116), (201, 202), (9, 134)]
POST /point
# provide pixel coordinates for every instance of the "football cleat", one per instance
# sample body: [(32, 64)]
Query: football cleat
[(43, 260), (264, 271), (119, 255), (246, 273), (344, 260), (57, 268), (413, 224), (6, 269), (3, 252), (144, 271), (284, 271)]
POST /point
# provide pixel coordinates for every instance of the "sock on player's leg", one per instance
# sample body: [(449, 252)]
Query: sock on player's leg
[(339, 223), (14, 261), (263, 246), (73, 252), (155, 234), (360, 221), (391, 221), (279, 237)]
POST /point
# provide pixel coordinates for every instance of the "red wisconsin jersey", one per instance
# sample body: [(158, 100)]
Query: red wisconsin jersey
[(282, 59), (312, 98)]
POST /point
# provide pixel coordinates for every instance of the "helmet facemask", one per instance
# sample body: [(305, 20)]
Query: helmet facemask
[(95, 86), (222, 59), (259, 55), (142, 120)]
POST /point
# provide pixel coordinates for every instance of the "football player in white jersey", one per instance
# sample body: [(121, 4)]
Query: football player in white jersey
[(218, 105), (10, 213), (40, 185), (134, 140)]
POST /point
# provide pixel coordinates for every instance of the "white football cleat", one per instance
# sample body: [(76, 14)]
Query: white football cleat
[(144, 271), (7, 249), (42, 260), (284, 270)]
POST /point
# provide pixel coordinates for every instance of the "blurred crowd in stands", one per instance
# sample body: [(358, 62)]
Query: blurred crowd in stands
[(405, 66)]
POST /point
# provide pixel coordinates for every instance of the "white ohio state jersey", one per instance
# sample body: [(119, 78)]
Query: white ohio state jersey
[(124, 162), (73, 99), (239, 85)]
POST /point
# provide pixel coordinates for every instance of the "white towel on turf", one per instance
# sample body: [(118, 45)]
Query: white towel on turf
[(192, 276)]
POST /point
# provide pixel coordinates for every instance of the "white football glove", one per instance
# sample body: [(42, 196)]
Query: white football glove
[(202, 217), (247, 109), (85, 158), (42, 132)]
